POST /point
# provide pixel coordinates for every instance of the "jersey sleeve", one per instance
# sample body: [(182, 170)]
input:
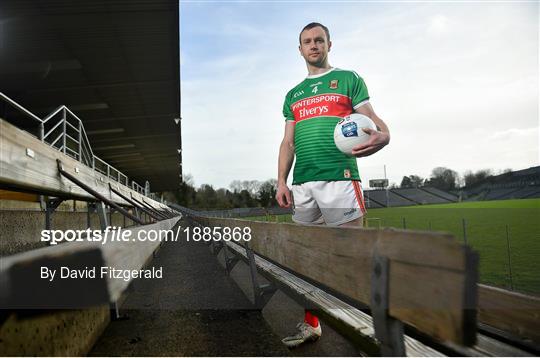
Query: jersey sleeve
[(360, 93), (287, 113)]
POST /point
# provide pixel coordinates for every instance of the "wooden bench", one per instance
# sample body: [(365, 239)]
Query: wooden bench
[(38, 173), (431, 280)]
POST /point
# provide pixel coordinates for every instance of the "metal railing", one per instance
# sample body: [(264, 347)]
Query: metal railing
[(64, 131)]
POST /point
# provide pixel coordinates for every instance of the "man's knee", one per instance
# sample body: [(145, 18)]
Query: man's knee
[(359, 222)]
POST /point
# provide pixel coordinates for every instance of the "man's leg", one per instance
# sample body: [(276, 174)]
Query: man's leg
[(355, 223), (307, 331), (306, 212), (305, 208), (341, 202), (311, 319)]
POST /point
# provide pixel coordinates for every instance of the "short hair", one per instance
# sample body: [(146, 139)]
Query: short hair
[(312, 25)]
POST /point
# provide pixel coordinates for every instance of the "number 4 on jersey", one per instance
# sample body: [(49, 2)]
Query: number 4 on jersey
[(315, 89)]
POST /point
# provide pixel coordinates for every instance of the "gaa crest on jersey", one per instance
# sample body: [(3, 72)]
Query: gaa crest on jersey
[(333, 84), (347, 173), (349, 130)]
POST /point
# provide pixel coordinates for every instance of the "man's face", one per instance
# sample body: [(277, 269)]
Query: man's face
[(314, 46)]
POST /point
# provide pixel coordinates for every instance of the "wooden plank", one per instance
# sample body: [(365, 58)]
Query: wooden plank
[(351, 322), (430, 265), (418, 306), (39, 174), (358, 326), (15, 195), (487, 347), (132, 255), (512, 312)]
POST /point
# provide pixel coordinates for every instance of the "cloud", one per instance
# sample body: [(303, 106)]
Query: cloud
[(515, 133), (438, 25), (456, 88)]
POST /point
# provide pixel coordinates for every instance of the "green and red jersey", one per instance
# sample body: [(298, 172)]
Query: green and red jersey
[(316, 105)]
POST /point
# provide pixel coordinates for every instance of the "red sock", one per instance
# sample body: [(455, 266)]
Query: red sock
[(311, 319)]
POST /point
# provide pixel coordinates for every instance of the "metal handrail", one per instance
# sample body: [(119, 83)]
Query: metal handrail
[(84, 148), (57, 139), (70, 137), (51, 130), (52, 114), (19, 107), (138, 188), (72, 127), (87, 142)]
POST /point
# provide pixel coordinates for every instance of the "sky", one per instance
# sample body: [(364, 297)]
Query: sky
[(457, 83)]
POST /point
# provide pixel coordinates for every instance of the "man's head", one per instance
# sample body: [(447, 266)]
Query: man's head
[(315, 44)]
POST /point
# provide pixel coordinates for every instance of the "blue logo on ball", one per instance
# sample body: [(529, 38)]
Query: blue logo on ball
[(349, 130)]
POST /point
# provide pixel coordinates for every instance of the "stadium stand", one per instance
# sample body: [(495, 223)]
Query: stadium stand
[(370, 203), (420, 196), (440, 193), (529, 192), (380, 197), (519, 184), (503, 193), (514, 193)]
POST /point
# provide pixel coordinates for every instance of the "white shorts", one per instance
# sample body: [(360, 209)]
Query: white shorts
[(327, 202)]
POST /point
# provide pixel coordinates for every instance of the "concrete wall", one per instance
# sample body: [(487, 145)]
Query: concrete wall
[(20, 230), (67, 205), (55, 333), (62, 333)]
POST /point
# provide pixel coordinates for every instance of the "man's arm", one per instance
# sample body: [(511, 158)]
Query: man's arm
[(377, 139), (286, 157)]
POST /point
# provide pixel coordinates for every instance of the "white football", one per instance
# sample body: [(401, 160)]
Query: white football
[(348, 132)]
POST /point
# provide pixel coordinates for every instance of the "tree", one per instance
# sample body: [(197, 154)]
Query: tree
[(406, 182), (267, 193), (186, 194), (206, 197), (472, 179), (411, 181), (245, 200), (443, 178), (188, 179), (223, 199), (416, 181), (252, 186), (236, 186)]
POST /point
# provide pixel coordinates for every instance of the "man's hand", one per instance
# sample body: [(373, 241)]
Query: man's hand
[(377, 140), (283, 196)]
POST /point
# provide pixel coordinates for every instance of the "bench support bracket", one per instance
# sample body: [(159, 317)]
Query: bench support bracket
[(388, 330)]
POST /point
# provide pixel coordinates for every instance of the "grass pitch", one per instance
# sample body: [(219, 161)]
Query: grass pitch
[(512, 262)]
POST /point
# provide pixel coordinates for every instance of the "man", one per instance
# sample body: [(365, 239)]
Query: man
[(326, 183)]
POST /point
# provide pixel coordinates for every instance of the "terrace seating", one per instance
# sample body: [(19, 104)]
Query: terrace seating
[(502, 193), (387, 198), (420, 196), (440, 193)]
